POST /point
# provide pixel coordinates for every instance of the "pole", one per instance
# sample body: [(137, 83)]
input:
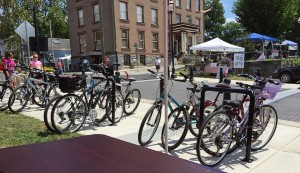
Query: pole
[(37, 34), (137, 58), (51, 40), (172, 46), (166, 71), (27, 40)]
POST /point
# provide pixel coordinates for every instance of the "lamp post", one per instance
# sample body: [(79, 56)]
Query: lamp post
[(171, 10)]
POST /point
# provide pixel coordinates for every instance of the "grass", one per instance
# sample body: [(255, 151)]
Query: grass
[(17, 129)]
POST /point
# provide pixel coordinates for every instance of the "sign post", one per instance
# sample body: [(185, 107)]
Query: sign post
[(136, 54)]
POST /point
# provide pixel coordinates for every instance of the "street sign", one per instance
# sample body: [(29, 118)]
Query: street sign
[(25, 30)]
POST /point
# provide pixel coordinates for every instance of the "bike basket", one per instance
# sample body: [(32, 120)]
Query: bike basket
[(270, 90), (69, 84)]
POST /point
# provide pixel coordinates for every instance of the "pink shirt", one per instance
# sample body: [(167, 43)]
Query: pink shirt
[(59, 64), (36, 64), (10, 64)]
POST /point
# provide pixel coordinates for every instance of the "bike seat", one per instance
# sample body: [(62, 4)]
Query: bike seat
[(98, 78), (233, 103), (131, 79)]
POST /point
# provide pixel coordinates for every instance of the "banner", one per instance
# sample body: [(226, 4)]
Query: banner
[(238, 60)]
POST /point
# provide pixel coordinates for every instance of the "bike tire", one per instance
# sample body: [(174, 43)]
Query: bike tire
[(5, 92), (47, 115), (263, 129), (209, 134), (70, 110), (119, 106), (132, 101), (20, 95), (97, 109), (178, 124), (194, 120), (152, 115)]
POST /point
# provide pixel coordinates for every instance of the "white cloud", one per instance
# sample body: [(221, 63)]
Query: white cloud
[(230, 20)]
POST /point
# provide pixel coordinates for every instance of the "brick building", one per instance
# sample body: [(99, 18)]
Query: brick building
[(131, 22)]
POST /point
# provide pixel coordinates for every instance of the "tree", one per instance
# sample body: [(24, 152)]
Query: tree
[(269, 17), (13, 12), (213, 19), (231, 31)]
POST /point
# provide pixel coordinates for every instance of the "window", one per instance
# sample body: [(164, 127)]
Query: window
[(154, 17), (198, 5), (123, 11), (96, 13), (141, 37), (155, 41), (178, 3), (178, 18), (80, 17), (97, 40), (125, 38), (188, 20), (82, 42), (188, 4), (140, 14), (198, 24), (188, 43)]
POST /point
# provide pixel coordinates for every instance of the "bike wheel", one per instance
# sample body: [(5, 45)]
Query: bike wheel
[(194, 120), (68, 114), (97, 110), (132, 101), (47, 115), (178, 123), (149, 124), (5, 92), (40, 100), (264, 127), (19, 99), (119, 107), (215, 137)]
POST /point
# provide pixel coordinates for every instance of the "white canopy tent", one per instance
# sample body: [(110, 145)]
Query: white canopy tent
[(217, 45)]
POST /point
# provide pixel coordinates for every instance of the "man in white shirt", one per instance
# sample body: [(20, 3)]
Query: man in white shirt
[(157, 63)]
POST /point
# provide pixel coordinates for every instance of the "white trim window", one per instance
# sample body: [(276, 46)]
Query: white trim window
[(123, 11), (154, 17), (97, 36), (125, 38), (198, 5), (96, 13), (141, 37), (188, 4), (178, 3), (80, 17), (178, 18), (140, 14), (82, 42), (155, 41)]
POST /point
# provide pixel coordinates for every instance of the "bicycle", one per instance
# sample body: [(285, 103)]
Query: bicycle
[(32, 88), (180, 120), (70, 111), (152, 117), (225, 125), (132, 96)]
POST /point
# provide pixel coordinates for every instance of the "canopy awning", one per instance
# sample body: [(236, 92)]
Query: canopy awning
[(217, 45), (185, 27), (258, 37), (289, 43)]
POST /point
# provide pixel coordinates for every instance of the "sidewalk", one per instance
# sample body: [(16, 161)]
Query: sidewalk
[(282, 154)]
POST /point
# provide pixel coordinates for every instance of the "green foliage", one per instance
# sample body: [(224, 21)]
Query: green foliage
[(270, 17), (214, 19), (232, 31), (17, 129)]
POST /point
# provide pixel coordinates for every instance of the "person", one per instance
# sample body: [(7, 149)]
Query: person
[(85, 63), (9, 69), (157, 63), (59, 66), (35, 63), (108, 67)]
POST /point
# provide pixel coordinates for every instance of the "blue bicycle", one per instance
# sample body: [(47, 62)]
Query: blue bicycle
[(152, 118)]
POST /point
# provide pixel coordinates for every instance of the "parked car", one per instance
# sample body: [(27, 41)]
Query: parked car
[(288, 74)]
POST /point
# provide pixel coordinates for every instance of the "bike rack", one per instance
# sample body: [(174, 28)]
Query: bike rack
[(113, 101), (251, 113)]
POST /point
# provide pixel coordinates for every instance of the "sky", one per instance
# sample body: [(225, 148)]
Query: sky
[(228, 7)]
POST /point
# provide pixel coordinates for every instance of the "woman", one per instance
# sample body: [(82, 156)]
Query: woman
[(9, 69), (59, 66), (35, 63)]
